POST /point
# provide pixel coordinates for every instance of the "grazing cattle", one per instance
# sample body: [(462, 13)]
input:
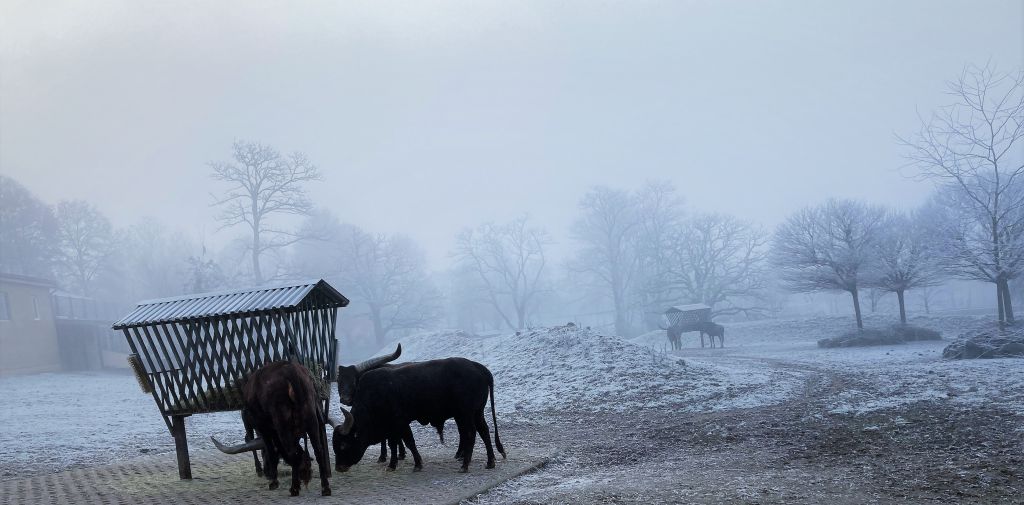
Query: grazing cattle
[(280, 403), (675, 336), (430, 392), (713, 330), (348, 379)]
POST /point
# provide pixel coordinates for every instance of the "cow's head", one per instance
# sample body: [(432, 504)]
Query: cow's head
[(348, 376), (348, 449)]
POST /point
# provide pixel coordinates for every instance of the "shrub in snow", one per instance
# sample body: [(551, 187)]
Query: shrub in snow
[(897, 334), (987, 344)]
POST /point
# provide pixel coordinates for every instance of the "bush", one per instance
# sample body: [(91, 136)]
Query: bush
[(987, 344), (896, 334)]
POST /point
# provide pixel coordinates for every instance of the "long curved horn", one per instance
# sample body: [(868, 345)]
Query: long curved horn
[(252, 445), (350, 422), (372, 363), (332, 422)]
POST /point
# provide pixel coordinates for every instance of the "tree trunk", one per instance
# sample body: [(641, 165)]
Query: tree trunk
[(856, 308), (903, 307), (379, 335), (1007, 304), (999, 302), (257, 275)]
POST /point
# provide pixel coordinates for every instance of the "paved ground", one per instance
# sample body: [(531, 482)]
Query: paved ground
[(222, 478)]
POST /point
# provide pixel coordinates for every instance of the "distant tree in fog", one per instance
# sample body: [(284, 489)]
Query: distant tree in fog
[(87, 245), (975, 148), (607, 230), (719, 260), (508, 263), (153, 259), (28, 231), (263, 184), (385, 274), (907, 257), (203, 274), (659, 215), (829, 247)]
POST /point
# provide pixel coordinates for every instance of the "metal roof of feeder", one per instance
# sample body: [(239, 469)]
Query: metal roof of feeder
[(688, 308), (229, 303)]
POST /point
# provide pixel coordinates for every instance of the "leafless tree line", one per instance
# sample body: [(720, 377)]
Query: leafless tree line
[(635, 253)]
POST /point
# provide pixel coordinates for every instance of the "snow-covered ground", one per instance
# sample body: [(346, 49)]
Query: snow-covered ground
[(569, 367), (49, 422)]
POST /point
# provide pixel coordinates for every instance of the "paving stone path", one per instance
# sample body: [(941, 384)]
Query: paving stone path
[(220, 478)]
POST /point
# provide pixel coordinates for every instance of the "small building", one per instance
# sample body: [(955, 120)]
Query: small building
[(28, 334), (84, 335)]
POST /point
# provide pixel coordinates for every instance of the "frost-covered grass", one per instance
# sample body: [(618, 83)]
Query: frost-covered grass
[(575, 368), (49, 422)]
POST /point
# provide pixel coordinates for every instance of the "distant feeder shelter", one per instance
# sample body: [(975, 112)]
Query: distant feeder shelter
[(192, 352), (685, 315)]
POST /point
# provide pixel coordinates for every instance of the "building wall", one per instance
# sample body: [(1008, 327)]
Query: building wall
[(28, 341)]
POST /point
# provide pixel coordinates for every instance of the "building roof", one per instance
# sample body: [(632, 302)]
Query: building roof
[(229, 303), (688, 308), (26, 279)]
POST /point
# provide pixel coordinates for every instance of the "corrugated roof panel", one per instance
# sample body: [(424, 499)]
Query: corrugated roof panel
[(206, 305)]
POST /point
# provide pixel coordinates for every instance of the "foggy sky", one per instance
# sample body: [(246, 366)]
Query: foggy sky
[(428, 117)]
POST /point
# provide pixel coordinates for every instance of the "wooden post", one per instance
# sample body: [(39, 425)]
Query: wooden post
[(181, 447)]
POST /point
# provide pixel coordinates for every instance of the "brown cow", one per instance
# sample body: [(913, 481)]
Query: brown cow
[(281, 405)]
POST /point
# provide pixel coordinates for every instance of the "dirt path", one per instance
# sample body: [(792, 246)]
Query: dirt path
[(792, 452)]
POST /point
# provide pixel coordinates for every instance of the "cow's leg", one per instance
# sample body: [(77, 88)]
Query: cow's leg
[(383, 452), (323, 457), (401, 450), (249, 436), (411, 442), (271, 458), (485, 434), (467, 437), (393, 442)]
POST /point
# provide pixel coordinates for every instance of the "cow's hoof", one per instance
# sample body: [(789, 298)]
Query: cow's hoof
[(401, 456), (293, 491), (325, 491), (382, 460), (391, 468), (464, 469), (490, 464), (273, 485), (417, 468)]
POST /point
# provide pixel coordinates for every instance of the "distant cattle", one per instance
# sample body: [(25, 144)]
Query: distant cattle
[(281, 404), (713, 330), (430, 392)]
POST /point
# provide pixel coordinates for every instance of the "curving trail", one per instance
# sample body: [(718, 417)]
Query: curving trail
[(794, 451)]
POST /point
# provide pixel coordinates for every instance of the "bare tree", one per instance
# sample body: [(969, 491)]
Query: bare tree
[(263, 184), (153, 260), (385, 274), (607, 231), (974, 147), (907, 257), (86, 245), (508, 261), (719, 260), (28, 231), (659, 216), (875, 296), (828, 248)]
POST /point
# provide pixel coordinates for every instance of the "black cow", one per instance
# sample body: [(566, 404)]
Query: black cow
[(280, 403), (348, 379), (713, 330), (430, 392)]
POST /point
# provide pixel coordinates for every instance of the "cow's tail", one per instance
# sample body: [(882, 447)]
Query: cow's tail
[(494, 419)]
